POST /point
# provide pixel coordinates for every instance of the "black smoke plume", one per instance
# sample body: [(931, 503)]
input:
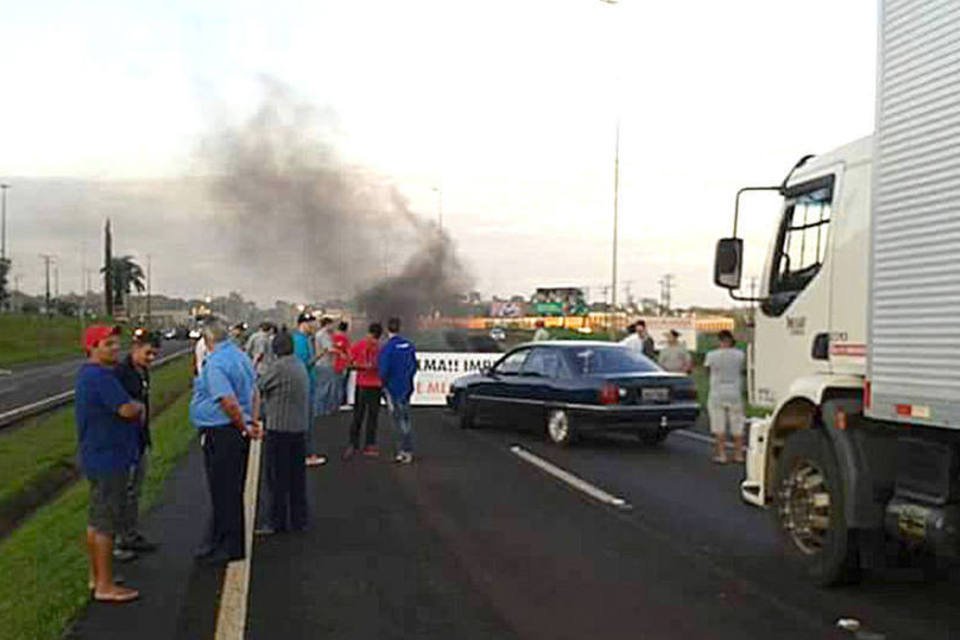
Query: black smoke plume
[(300, 217)]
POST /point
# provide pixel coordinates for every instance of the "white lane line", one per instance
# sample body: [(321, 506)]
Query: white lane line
[(232, 615), (574, 481)]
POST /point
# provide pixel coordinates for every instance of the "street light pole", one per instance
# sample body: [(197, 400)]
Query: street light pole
[(3, 221), (148, 289), (616, 216), (439, 193)]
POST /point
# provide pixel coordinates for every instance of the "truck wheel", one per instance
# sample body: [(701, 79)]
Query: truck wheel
[(809, 507), (465, 412), (560, 429)]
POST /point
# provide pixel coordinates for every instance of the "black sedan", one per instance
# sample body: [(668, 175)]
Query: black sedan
[(567, 388)]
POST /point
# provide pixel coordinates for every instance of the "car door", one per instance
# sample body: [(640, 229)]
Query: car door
[(495, 396), (535, 387)]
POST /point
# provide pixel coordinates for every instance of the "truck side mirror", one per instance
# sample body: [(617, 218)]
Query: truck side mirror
[(729, 263)]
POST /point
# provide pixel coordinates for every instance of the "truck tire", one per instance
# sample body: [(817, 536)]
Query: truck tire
[(809, 509)]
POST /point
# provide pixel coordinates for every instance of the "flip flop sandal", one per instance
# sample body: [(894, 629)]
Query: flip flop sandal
[(720, 459), (116, 598)]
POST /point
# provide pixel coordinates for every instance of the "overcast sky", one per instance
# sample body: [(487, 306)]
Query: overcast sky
[(509, 107)]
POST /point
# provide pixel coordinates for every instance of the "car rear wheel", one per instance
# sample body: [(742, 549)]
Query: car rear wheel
[(810, 511), (560, 428)]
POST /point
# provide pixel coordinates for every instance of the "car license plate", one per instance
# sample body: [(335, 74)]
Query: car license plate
[(655, 394)]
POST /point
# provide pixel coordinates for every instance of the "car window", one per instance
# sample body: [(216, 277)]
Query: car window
[(543, 362), (612, 359), (512, 363)]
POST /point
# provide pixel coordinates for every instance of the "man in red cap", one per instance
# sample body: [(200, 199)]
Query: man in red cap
[(108, 435)]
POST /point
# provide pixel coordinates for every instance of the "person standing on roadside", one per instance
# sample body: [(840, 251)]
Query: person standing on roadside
[(541, 333), (285, 388), (224, 409), (108, 437), (725, 403), (341, 360), (134, 374), (366, 403), (640, 341), (259, 347), (303, 349), (675, 357), (397, 367), (326, 376)]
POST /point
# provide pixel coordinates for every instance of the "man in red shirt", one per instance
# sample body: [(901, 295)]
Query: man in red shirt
[(363, 359), (341, 359)]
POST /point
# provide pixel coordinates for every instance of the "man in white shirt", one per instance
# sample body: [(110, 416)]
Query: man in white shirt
[(675, 357), (726, 397), (541, 333), (640, 341)]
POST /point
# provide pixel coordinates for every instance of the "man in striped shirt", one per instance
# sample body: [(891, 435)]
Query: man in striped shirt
[(285, 389)]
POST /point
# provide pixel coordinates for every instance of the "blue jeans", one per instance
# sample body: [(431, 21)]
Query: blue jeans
[(400, 412)]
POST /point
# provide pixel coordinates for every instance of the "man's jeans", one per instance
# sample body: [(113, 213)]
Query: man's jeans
[(400, 412)]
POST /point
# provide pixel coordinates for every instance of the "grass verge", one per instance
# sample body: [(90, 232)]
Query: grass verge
[(43, 562), (28, 338), (38, 457)]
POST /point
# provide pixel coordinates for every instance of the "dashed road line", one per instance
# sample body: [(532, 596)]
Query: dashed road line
[(570, 479)]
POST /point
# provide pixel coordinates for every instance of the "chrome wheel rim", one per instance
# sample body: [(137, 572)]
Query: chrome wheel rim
[(805, 507), (558, 426)]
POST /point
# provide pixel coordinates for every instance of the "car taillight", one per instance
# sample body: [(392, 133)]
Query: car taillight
[(609, 394), (686, 393)]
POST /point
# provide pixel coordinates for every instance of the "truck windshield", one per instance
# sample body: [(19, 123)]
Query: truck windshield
[(802, 243)]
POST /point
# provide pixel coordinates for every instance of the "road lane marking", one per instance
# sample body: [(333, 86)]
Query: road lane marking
[(232, 614), (570, 479)]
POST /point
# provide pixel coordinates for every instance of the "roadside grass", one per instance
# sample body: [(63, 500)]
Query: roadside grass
[(39, 456), (43, 562), (36, 338)]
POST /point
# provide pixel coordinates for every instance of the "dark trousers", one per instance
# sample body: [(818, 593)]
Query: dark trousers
[(286, 480), (225, 459), (366, 403)]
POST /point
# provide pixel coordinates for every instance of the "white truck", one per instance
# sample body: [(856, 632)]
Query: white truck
[(857, 339)]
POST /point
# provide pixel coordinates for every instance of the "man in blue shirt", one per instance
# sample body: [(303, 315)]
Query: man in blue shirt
[(108, 438), (303, 348), (398, 366), (225, 410)]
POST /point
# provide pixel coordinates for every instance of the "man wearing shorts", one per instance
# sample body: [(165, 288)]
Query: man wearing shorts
[(108, 437), (726, 397)]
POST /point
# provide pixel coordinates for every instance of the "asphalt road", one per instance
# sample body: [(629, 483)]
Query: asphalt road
[(33, 382), (474, 542)]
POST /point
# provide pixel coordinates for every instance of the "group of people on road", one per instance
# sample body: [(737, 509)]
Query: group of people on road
[(277, 387), (112, 411), (726, 365)]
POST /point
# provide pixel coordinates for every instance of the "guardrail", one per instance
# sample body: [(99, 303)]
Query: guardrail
[(52, 402)]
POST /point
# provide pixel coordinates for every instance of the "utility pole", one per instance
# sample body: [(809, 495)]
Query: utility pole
[(439, 193), (3, 221), (56, 280), (616, 216), (148, 288), (47, 258), (666, 287)]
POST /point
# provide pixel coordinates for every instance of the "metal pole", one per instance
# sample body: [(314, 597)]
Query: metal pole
[(148, 288), (439, 193), (616, 216), (46, 267), (3, 221)]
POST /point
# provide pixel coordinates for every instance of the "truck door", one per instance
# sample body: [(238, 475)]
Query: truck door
[(797, 288)]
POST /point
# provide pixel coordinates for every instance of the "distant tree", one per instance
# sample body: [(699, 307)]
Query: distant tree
[(125, 274), (30, 307)]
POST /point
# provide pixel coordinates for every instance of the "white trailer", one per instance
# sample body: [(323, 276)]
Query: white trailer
[(858, 337)]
